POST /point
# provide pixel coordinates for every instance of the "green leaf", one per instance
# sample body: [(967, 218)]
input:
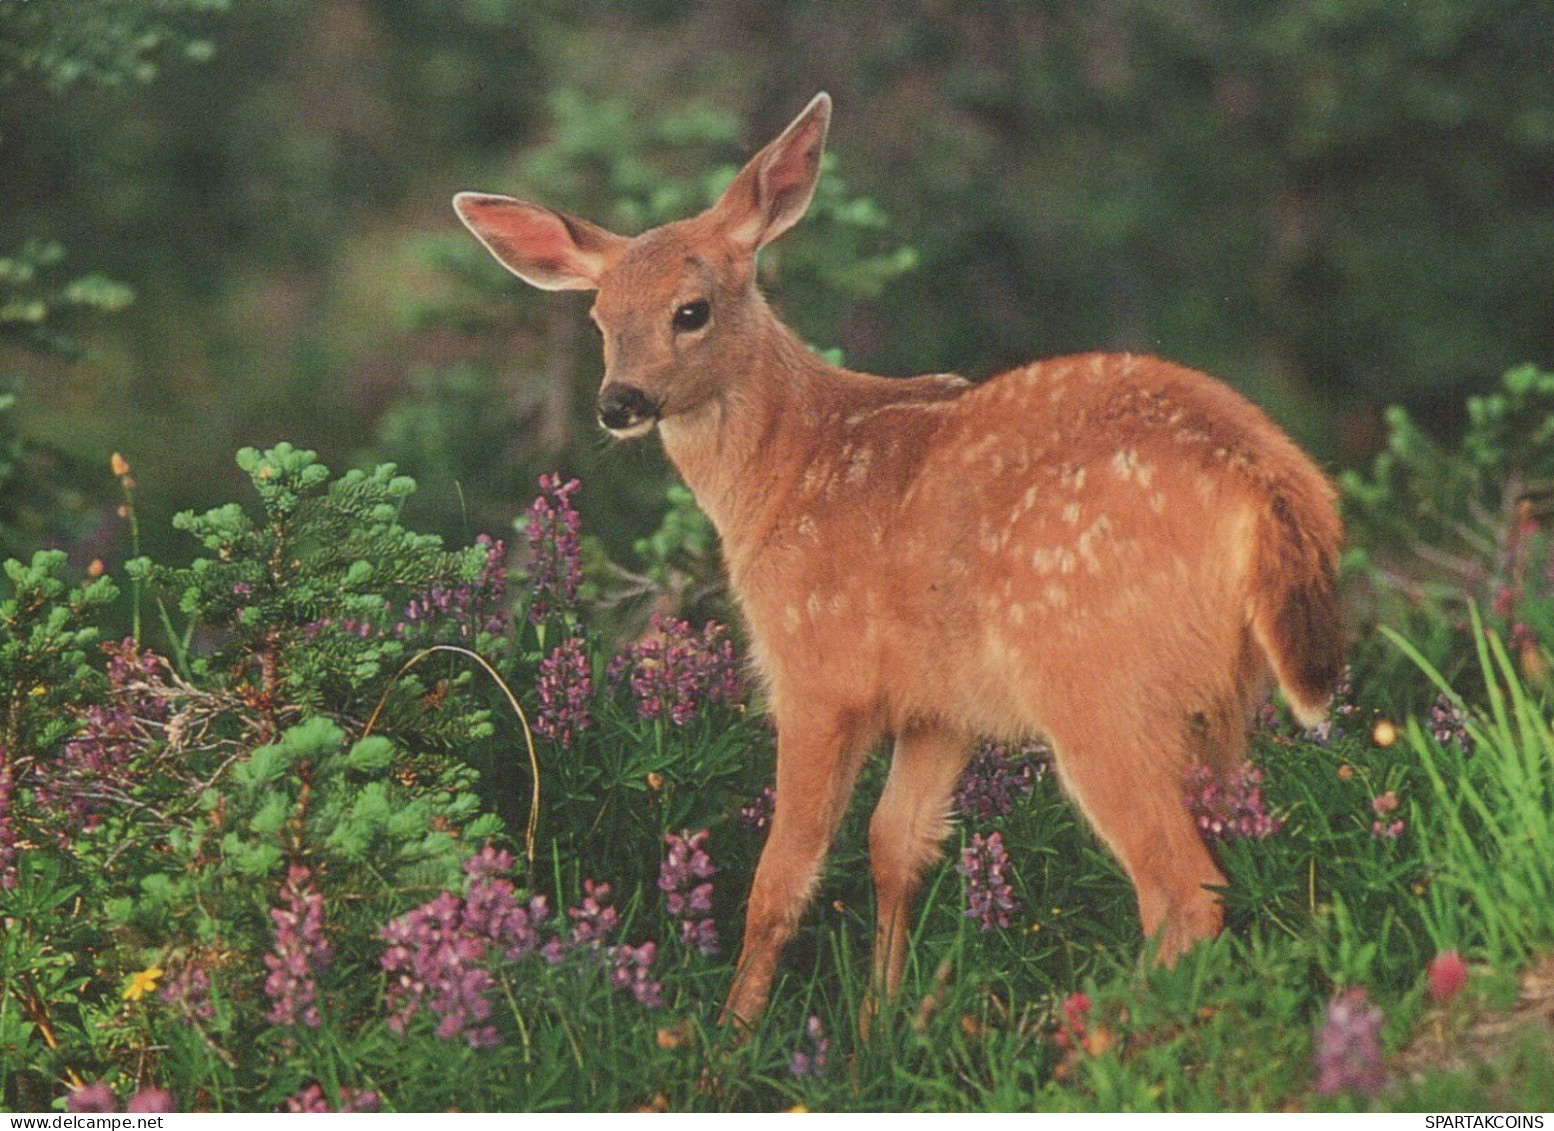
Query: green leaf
[(371, 754)]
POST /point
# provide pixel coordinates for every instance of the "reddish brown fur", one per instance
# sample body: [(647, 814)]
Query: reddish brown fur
[(1108, 550)]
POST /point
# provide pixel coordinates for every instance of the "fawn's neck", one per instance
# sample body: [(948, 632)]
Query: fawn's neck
[(743, 453)]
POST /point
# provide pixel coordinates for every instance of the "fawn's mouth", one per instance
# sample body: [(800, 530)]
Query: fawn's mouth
[(626, 412), (631, 431)]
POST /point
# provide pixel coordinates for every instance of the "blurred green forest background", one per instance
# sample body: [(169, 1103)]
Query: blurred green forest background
[(227, 222)]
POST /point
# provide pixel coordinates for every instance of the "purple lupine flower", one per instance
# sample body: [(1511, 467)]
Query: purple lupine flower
[(433, 961), (1342, 707), (188, 991), (100, 758), (445, 611), (1232, 808), (998, 774), (566, 688), (629, 971), (594, 918), (1449, 721), (99, 1097), (1348, 1046), (7, 824), (810, 1059), (674, 670), (96, 1097), (311, 1100), (489, 863), (299, 950), (438, 955), (150, 1101), (555, 559), (593, 921), (1383, 828), (990, 899), (488, 603), (685, 878), (762, 808)]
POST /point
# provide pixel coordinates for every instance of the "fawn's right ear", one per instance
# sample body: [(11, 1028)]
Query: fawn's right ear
[(547, 249), (772, 192)]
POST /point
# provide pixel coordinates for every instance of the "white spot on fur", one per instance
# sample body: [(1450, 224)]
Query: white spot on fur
[(975, 453), (1055, 596), (1053, 559), (990, 539), (858, 466), (1157, 502), (1017, 614), (1125, 464), (1073, 478), (1071, 513), (806, 527), (1088, 539), (791, 619)]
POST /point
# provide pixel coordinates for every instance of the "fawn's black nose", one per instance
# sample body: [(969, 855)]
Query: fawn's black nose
[(624, 408)]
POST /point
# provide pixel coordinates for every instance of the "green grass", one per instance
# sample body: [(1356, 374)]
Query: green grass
[(1322, 905)]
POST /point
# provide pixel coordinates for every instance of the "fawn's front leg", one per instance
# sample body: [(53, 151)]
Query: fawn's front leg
[(817, 763)]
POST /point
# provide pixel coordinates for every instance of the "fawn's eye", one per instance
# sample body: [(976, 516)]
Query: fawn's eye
[(692, 316)]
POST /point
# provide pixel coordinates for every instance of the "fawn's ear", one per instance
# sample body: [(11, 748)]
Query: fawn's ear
[(547, 249), (771, 193)]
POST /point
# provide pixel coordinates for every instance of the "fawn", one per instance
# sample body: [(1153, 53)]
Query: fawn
[(1108, 550)]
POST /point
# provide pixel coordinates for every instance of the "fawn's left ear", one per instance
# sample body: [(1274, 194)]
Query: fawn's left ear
[(551, 250), (771, 193)]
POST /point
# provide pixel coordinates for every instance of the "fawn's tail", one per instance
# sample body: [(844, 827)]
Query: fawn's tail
[(1296, 618)]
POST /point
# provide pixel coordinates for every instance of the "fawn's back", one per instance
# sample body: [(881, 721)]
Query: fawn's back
[(1065, 537)]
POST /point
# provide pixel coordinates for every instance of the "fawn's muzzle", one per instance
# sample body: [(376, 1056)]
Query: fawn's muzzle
[(626, 410)]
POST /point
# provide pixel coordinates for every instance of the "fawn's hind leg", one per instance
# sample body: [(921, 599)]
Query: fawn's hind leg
[(910, 821), (1131, 789)]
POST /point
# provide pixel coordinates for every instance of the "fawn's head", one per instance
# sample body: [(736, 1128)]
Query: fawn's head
[(677, 306)]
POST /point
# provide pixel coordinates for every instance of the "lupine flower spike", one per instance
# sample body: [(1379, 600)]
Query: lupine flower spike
[(1234, 807), (300, 949), (674, 670), (555, 556), (685, 878), (311, 1100), (811, 1057), (566, 689), (990, 900), (998, 775), (438, 954), (1348, 1046)]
